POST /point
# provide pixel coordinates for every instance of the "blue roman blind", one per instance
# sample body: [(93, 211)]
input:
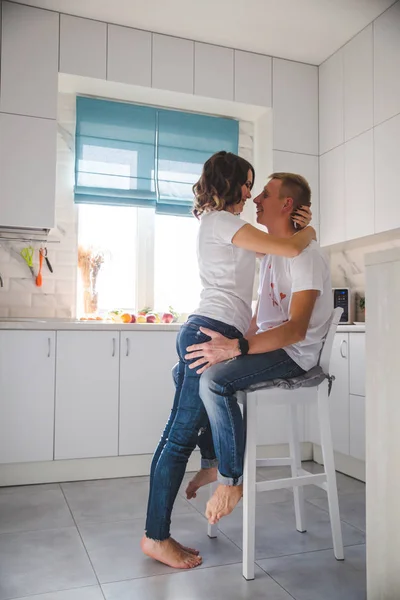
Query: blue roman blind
[(132, 155)]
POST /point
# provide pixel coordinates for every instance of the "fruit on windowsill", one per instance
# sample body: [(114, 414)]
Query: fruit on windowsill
[(150, 318), (167, 317), (141, 319), (126, 318), (133, 319)]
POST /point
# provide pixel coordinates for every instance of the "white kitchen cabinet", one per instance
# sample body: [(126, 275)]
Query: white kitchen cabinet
[(295, 106), (86, 419), (331, 197), (173, 64), (387, 167), (129, 56), (27, 370), (146, 389), (358, 84), (357, 426), (357, 364), (29, 61), (27, 171), (331, 113), (213, 71), (359, 186), (83, 47), (272, 416), (253, 78), (306, 165), (387, 64)]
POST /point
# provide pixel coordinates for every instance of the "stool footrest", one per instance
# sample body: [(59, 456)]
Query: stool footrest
[(278, 484), (274, 462)]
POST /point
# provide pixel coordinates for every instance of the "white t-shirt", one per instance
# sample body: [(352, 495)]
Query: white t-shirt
[(279, 279), (226, 271)]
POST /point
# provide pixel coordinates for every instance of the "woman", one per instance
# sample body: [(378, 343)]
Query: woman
[(227, 248)]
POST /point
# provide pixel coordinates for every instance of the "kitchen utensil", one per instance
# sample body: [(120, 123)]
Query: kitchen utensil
[(39, 278), (48, 263), (27, 255)]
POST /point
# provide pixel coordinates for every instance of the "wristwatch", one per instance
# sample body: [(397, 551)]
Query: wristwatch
[(243, 346)]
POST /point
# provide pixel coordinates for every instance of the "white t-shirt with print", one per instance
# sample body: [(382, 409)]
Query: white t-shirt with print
[(279, 279), (226, 271)]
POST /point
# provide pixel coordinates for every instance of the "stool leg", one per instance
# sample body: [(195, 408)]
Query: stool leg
[(295, 457), (249, 486), (329, 464), (212, 530)]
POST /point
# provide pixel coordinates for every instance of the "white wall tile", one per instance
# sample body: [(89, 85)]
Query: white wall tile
[(387, 64)]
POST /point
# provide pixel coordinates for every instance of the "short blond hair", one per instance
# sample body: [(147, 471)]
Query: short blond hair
[(296, 187)]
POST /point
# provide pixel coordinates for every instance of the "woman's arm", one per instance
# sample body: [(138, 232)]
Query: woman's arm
[(251, 238)]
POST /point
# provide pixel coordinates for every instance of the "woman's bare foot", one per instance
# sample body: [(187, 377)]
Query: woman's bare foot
[(185, 548), (170, 553), (222, 502), (202, 477)]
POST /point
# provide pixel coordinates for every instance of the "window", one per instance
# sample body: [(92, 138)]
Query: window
[(134, 171)]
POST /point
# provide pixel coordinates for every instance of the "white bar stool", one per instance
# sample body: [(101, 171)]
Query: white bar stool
[(300, 477)]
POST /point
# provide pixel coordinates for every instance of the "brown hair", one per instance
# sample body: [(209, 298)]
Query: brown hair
[(221, 181), (296, 187)]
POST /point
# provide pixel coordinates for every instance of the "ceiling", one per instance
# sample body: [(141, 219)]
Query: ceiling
[(303, 30)]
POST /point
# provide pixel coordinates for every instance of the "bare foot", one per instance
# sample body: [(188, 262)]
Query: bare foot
[(222, 502), (170, 553), (202, 477), (186, 548)]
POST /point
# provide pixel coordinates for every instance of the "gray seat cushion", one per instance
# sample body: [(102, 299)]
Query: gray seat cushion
[(312, 378)]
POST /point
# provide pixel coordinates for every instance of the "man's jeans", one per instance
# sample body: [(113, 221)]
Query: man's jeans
[(218, 386), (187, 426)]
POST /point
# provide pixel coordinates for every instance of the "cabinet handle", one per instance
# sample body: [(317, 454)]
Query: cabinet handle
[(128, 346), (48, 347), (113, 350), (343, 343)]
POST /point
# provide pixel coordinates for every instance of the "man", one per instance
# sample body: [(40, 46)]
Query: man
[(284, 339)]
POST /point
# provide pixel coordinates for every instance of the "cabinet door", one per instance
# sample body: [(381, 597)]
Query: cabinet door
[(331, 197), (27, 369), (295, 115), (27, 171), (339, 398), (129, 56), (331, 92), (146, 389), (357, 364), (357, 427), (83, 47), (359, 186), (253, 78), (213, 71), (387, 165), (29, 61), (173, 60), (87, 394)]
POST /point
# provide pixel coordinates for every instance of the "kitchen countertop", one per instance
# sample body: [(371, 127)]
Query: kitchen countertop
[(75, 325)]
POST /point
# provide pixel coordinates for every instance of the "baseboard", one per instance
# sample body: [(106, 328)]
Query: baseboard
[(86, 469), (343, 463)]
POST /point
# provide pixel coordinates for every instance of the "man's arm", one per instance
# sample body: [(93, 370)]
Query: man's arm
[(294, 330)]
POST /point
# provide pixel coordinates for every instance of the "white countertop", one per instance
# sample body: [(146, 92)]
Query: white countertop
[(75, 325)]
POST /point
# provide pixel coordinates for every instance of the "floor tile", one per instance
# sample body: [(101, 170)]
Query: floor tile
[(317, 575), (86, 593), (112, 500), (114, 548), (34, 507), (352, 508), (43, 561), (215, 584), (276, 534)]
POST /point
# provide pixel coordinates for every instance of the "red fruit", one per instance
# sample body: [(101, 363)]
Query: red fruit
[(150, 318), (133, 319), (167, 318)]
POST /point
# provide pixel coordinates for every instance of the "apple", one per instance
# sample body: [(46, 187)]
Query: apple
[(167, 318), (133, 319), (150, 318)]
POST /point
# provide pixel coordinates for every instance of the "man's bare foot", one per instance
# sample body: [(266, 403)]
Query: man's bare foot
[(186, 548), (202, 477), (170, 553), (222, 502)]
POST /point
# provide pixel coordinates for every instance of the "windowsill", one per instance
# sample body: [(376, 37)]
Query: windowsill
[(75, 325)]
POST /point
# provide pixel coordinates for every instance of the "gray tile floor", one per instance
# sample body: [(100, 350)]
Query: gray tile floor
[(80, 541)]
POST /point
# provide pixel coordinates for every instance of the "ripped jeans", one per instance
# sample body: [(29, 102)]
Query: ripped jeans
[(187, 427)]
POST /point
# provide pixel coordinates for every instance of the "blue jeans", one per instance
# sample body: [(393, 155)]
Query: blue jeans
[(187, 426), (218, 386)]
